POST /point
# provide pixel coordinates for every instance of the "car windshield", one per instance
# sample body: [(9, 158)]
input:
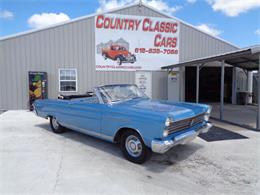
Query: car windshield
[(116, 93)]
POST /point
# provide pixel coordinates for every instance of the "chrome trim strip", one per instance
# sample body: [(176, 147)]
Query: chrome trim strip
[(117, 118), (88, 132), (203, 113)]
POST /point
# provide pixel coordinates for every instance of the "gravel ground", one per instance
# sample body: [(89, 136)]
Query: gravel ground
[(34, 160)]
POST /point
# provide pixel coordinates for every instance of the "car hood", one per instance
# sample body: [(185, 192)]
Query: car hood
[(176, 110)]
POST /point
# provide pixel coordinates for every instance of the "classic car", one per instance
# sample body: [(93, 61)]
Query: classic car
[(123, 114), (118, 53)]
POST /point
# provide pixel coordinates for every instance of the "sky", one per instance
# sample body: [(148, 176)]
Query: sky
[(236, 21)]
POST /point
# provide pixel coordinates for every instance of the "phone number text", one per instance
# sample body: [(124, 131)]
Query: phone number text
[(156, 51)]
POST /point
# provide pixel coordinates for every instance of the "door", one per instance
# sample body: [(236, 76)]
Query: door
[(209, 85), (86, 115)]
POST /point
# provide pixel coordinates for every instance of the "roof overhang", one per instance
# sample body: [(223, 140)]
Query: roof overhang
[(246, 58)]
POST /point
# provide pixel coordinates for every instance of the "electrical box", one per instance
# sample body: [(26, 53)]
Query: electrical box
[(174, 85), (152, 83), (37, 86)]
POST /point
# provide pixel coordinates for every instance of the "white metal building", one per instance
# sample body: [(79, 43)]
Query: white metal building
[(67, 52)]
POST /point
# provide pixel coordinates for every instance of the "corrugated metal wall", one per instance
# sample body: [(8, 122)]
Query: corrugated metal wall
[(72, 45), (196, 44), (67, 46)]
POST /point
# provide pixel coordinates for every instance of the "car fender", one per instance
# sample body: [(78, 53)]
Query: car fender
[(145, 132)]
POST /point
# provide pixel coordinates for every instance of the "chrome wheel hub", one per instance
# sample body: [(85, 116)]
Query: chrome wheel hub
[(133, 146), (55, 123)]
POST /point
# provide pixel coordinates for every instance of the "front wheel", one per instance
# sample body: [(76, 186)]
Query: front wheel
[(55, 126), (118, 60), (133, 147)]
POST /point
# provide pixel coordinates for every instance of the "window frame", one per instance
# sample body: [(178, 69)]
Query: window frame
[(76, 80)]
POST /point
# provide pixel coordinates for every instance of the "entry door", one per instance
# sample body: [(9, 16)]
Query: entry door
[(209, 84)]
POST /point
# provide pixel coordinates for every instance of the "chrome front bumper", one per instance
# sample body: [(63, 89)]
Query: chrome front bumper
[(159, 146)]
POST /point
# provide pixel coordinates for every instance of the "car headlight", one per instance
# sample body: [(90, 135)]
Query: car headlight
[(206, 117), (168, 122), (209, 110), (207, 114), (165, 133)]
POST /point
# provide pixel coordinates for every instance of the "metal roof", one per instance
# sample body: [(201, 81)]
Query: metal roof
[(246, 58)]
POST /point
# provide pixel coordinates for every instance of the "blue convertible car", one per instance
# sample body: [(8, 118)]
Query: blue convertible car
[(124, 115)]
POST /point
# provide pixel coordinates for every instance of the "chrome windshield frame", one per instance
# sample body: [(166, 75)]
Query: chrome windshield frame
[(97, 93), (101, 100)]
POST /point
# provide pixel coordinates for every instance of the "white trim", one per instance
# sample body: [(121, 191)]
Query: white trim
[(114, 10), (76, 80)]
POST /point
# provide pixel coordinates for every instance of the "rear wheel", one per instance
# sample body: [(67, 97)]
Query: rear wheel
[(133, 59), (133, 147), (55, 126), (104, 56)]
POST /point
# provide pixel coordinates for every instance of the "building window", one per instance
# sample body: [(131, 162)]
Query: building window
[(68, 80)]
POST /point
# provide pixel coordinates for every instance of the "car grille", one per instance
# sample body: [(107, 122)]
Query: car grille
[(186, 123)]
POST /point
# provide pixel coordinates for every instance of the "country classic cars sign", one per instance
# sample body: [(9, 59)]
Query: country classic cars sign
[(129, 43)]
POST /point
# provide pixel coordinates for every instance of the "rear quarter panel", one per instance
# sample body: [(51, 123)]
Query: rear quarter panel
[(56, 108)]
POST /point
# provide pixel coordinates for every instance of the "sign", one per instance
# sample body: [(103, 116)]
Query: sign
[(130, 43), (174, 85), (173, 76), (143, 80), (37, 86)]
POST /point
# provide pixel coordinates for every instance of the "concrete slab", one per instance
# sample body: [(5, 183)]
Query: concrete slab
[(35, 160), (240, 114), (2, 111)]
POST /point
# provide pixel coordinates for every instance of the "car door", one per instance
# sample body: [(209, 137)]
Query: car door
[(86, 115)]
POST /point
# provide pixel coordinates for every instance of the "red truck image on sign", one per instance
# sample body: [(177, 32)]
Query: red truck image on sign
[(118, 53)]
